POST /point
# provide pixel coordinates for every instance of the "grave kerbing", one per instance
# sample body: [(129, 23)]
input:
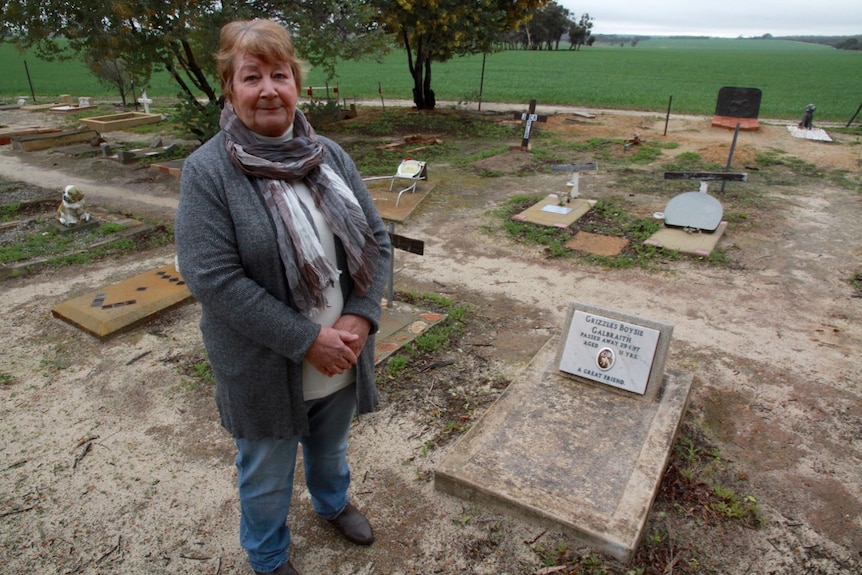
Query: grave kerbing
[(583, 459)]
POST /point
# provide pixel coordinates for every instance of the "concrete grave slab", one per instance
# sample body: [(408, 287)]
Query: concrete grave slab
[(34, 142), (135, 155), (817, 134), (39, 107), (126, 303), (597, 244), (71, 108), (549, 212), (130, 228), (575, 457), (81, 226), (399, 325), (698, 243), (7, 134), (122, 121), (384, 199)]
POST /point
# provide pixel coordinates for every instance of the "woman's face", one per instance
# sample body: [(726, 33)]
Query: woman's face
[(263, 95)]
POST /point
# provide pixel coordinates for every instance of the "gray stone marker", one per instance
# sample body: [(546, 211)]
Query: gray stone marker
[(570, 451)]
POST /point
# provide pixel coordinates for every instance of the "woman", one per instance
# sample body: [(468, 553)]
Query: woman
[(279, 240)]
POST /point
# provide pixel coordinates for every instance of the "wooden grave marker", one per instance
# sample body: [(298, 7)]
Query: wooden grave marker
[(529, 117)]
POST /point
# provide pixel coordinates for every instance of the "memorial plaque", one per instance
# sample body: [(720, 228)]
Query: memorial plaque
[(614, 349), (738, 102)]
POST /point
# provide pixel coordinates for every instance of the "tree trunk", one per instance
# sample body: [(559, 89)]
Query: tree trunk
[(420, 71), (418, 84), (430, 99)]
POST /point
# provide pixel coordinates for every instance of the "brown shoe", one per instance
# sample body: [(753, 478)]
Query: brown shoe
[(353, 525), (285, 569)]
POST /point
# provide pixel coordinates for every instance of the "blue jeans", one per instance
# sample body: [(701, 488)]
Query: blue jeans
[(265, 477)]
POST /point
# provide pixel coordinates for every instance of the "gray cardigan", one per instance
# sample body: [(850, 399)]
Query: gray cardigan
[(254, 336)]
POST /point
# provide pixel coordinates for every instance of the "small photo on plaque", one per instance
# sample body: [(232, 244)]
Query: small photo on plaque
[(605, 358)]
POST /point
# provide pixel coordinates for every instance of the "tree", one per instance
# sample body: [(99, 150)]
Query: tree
[(581, 33), (438, 30), (181, 37), (547, 27), (113, 72)]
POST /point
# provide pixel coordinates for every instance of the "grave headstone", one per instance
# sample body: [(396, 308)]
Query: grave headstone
[(697, 210), (614, 349), (145, 102), (737, 106)]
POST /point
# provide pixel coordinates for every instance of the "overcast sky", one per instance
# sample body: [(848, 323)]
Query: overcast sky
[(727, 18)]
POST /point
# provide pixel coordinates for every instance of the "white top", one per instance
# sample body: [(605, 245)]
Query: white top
[(314, 383)]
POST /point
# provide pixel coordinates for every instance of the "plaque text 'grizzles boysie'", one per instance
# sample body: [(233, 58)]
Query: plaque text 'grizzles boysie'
[(609, 350)]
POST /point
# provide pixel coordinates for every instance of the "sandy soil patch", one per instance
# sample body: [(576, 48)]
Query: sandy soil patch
[(112, 461)]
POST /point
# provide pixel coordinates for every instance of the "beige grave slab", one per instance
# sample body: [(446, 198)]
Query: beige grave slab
[(135, 300), (39, 107), (548, 212), (399, 325), (385, 200), (698, 243), (126, 303), (36, 142), (122, 121), (6, 134), (570, 456), (597, 244)]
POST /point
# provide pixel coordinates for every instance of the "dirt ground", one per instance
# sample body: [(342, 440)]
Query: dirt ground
[(112, 460)]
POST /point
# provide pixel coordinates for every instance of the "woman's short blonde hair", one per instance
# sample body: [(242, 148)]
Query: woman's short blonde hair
[(265, 39)]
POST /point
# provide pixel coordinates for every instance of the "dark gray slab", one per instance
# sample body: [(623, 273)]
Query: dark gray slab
[(738, 102)]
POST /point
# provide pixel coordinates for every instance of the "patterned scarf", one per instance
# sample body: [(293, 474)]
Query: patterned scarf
[(273, 166)]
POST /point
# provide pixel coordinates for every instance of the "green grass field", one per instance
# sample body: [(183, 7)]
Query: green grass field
[(790, 74)]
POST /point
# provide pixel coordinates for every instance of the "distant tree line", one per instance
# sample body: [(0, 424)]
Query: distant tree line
[(620, 39), (547, 28), (839, 42)]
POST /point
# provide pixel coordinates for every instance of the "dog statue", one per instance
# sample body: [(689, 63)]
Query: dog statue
[(808, 119), (71, 210)]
